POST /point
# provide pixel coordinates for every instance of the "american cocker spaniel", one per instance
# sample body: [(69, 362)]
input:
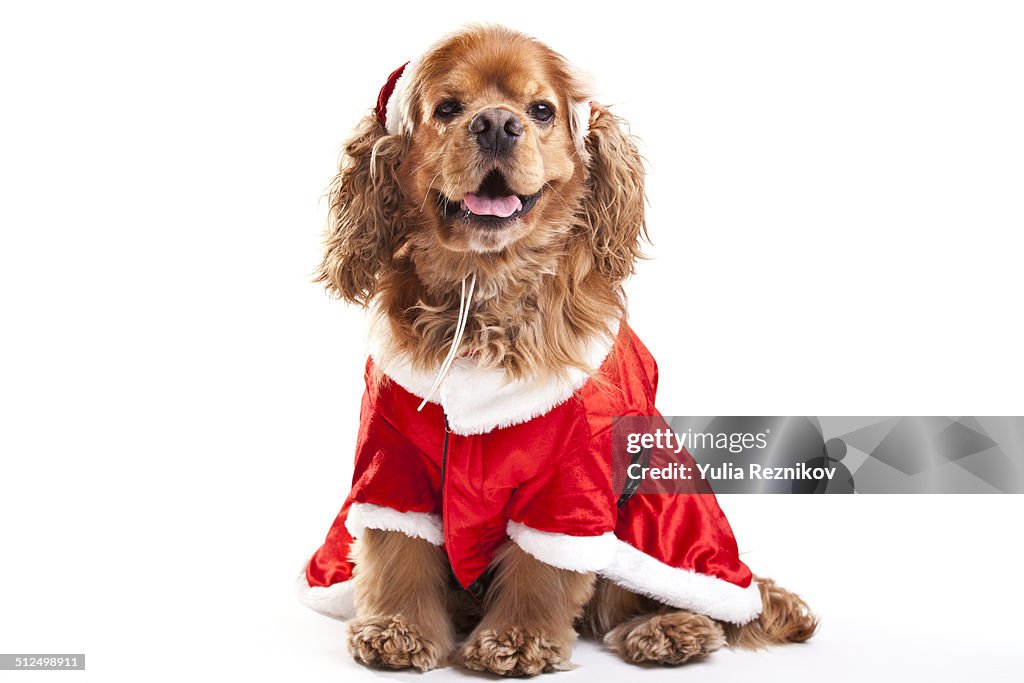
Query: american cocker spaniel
[(487, 212)]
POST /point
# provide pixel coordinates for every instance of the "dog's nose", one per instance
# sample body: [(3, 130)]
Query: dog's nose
[(496, 130)]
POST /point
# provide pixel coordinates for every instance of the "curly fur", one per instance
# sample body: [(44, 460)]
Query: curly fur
[(540, 298), (785, 618), (401, 597), (527, 627), (365, 225), (611, 605), (670, 638), (640, 629)]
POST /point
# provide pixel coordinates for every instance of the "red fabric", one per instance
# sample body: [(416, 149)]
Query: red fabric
[(552, 473), (385, 94)]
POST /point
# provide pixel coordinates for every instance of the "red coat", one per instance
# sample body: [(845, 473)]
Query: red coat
[(530, 462)]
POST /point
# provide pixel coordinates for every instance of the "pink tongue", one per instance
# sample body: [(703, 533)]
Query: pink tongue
[(502, 207)]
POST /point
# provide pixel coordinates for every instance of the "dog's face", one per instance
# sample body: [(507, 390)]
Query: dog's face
[(492, 157), (488, 159)]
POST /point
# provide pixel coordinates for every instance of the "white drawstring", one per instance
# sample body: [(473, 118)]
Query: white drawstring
[(460, 328)]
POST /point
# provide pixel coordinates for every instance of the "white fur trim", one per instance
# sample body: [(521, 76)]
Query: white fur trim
[(718, 599), (579, 127), (579, 116), (362, 516), (336, 601), (636, 571), (478, 399), (398, 115), (575, 553)]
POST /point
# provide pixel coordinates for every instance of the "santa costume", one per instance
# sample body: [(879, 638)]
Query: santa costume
[(489, 461), (467, 460)]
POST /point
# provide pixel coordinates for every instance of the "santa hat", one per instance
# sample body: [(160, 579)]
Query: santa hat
[(386, 108), (394, 107)]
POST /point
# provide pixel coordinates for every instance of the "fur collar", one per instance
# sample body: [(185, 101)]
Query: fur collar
[(479, 399)]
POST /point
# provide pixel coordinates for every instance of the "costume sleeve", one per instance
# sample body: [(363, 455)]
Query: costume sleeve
[(396, 485), (566, 517)]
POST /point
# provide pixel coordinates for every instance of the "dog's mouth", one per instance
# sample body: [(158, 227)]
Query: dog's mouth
[(493, 204)]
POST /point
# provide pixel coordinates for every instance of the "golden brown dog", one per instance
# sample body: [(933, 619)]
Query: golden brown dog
[(497, 169)]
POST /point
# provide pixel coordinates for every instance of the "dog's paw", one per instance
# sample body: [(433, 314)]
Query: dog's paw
[(515, 651), (392, 642), (672, 638)]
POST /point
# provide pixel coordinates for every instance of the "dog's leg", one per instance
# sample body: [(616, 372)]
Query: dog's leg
[(785, 618), (641, 630), (400, 586), (527, 627), (611, 605), (670, 637)]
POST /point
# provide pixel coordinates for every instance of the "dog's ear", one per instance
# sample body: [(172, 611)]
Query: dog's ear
[(365, 225), (612, 216)]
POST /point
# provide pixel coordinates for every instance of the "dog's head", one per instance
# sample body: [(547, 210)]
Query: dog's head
[(485, 153), (493, 120)]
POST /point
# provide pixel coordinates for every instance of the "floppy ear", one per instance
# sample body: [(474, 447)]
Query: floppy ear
[(613, 210), (364, 227)]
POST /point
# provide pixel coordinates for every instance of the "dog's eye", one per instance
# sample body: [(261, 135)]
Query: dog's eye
[(541, 112), (448, 109)]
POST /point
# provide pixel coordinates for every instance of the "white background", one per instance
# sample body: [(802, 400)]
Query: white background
[(836, 212)]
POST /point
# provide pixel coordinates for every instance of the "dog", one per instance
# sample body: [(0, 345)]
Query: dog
[(488, 212)]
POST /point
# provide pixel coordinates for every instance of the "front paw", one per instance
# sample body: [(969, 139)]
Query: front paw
[(392, 642), (516, 651)]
